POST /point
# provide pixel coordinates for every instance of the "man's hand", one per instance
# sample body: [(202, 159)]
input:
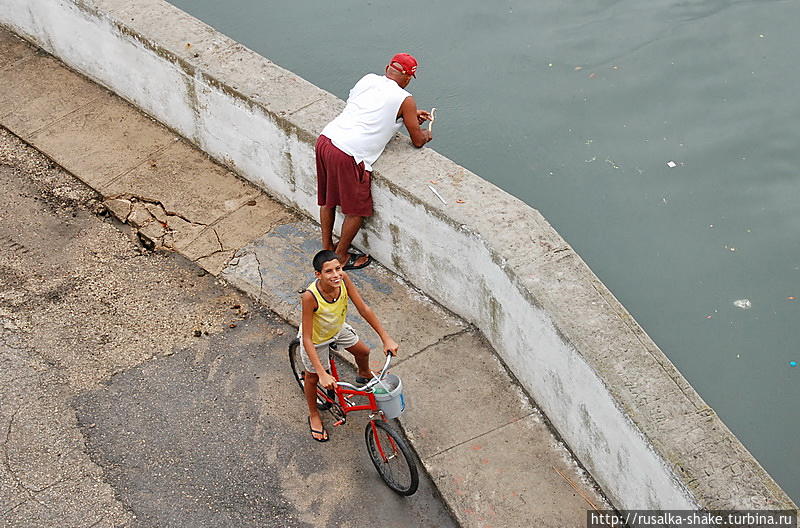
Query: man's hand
[(390, 346), (412, 118), (423, 115), (326, 380)]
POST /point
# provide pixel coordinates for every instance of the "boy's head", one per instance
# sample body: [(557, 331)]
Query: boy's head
[(326, 255)]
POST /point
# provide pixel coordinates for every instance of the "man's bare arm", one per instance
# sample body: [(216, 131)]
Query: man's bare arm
[(411, 119)]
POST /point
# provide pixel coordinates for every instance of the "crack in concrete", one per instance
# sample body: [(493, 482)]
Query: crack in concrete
[(65, 116), (221, 249), (304, 106), (260, 276), (219, 240), (445, 450), (54, 483), (7, 460), (441, 340), (26, 501), (147, 159), (131, 197), (198, 259)]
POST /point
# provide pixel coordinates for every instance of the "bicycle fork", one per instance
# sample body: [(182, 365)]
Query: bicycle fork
[(379, 444)]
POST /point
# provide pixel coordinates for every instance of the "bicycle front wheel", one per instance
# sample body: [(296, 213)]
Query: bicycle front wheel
[(391, 457)]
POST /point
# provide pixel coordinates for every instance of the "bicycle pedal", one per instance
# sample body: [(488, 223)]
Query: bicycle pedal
[(340, 422)]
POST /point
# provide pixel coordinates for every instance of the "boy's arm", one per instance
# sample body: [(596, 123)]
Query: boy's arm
[(366, 312), (309, 304)]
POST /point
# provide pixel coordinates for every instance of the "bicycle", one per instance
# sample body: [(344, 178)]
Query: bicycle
[(388, 451)]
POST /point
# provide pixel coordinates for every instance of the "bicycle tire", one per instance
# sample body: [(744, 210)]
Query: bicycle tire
[(297, 369), (396, 450)]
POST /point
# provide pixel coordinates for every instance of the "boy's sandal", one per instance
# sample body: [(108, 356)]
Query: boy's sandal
[(353, 258), (314, 431)]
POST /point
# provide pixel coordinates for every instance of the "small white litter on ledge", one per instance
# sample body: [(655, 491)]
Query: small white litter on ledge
[(439, 196)]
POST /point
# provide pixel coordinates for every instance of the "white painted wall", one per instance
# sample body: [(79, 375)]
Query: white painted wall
[(487, 261)]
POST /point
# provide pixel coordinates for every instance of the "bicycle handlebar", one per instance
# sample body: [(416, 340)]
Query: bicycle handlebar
[(375, 379)]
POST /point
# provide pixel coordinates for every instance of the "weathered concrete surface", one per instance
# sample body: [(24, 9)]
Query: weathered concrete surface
[(485, 430), (22, 108), (138, 391), (570, 343), (276, 267), (274, 249), (121, 147)]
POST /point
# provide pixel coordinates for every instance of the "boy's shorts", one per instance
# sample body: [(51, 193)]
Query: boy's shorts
[(346, 338)]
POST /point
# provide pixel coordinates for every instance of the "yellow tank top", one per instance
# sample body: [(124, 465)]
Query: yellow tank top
[(329, 317)]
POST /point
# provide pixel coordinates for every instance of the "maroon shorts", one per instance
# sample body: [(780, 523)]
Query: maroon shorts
[(342, 181)]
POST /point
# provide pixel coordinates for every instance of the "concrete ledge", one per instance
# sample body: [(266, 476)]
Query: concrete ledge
[(645, 435)]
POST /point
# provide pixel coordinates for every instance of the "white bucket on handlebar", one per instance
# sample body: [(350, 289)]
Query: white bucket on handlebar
[(389, 396)]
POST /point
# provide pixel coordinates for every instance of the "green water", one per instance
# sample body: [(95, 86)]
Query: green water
[(576, 108)]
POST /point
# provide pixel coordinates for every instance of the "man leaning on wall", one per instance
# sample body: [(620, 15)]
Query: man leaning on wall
[(348, 146)]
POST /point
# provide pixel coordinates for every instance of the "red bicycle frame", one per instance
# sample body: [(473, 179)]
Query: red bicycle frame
[(342, 392)]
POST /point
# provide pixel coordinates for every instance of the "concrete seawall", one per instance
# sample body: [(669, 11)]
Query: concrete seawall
[(645, 435)]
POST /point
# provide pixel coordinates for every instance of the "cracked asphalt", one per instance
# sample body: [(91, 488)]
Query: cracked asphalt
[(136, 390)]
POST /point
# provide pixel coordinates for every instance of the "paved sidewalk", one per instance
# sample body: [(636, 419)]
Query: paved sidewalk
[(488, 450)]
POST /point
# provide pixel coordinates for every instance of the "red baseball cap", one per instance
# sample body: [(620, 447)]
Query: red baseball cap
[(405, 64)]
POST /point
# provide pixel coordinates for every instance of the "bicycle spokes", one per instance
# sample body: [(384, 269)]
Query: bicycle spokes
[(391, 458)]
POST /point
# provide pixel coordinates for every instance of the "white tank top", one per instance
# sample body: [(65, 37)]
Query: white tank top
[(369, 120)]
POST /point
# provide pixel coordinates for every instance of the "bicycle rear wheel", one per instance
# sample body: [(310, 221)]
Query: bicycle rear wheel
[(391, 457), (297, 369)]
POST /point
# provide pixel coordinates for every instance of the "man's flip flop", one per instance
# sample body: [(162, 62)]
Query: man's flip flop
[(314, 431), (353, 258)]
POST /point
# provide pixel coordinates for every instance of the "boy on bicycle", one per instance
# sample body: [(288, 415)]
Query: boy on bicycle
[(324, 305)]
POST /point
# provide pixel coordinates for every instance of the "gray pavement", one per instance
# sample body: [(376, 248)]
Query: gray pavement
[(115, 413), (489, 451)]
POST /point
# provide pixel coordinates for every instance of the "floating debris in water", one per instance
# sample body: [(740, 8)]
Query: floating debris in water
[(671, 164), (791, 298), (460, 201), (578, 68), (793, 363), (744, 304)]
